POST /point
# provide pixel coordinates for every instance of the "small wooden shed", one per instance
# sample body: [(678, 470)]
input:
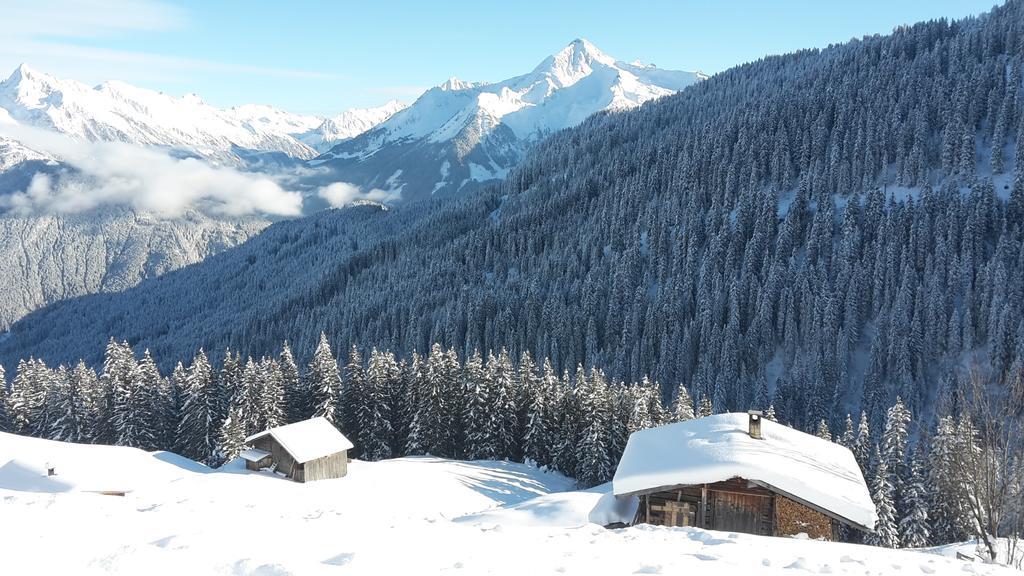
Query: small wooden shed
[(304, 451), (739, 473)]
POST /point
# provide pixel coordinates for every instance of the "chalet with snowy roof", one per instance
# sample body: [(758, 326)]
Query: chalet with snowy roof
[(304, 451), (742, 473)]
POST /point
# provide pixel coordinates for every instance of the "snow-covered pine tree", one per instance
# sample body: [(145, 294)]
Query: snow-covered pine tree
[(272, 398), (249, 397), (475, 415), (352, 394), (527, 385), (433, 430), (172, 394), (705, 408), (40, 407), (770, 413), (324, 383), (232, 434), (823, 432), (502, 416), (894, 451), (567, 437), (375, 428), (199, 428), (621, 415), (5, 419), (137, 411), (538, 427), (416, 389), (296, 395), (862, 445), (682, 408), (70, 405), (849, 436), (119, 366), (948, 518), (913, 526), (886, 534), (594, 466), (19, 400), (226, 384)]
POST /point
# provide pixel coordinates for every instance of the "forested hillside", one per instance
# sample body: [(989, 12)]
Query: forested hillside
[(844, 225)]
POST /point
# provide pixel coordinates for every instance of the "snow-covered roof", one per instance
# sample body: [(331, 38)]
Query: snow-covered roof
[(253, 454), (716, 448), (307, 440)]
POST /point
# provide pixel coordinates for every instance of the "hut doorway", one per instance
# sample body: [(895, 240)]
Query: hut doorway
[(738, 512)]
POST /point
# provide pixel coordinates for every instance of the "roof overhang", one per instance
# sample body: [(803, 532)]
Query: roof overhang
[(760, 483)]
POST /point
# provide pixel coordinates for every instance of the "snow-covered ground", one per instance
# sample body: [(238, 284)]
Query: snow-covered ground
[(404, 516)]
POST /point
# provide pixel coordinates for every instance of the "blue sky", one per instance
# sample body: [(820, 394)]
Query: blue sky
[(323, 57)]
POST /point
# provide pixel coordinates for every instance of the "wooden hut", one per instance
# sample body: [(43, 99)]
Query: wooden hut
[(739, 473), (304, 451)]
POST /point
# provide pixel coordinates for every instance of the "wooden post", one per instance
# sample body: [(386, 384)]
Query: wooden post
[(703, 506)]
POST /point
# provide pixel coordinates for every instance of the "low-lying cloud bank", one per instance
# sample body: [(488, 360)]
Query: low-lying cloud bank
[(341, 194), (112, 173)]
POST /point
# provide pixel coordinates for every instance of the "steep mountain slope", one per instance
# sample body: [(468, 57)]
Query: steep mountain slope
[(44, 259), (459, 134), (826, 231)]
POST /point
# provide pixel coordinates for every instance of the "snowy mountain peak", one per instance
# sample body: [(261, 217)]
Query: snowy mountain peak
[(461, 133), (454, 83), (577, 60)]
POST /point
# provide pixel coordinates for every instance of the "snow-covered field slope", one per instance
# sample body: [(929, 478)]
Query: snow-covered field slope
[(405, 516)]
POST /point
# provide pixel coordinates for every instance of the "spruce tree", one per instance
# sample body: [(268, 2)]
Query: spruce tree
[(199, 426), (352, 394), (325, 383), (296, 395), (914, 525), (538, 427), (594, 466), (5, 419), (823, 431), (862, 445), (272, 395), (682, 408), (475, 416), (71, 410), (232, 434), (705, 409), (137, 413), (886, 534), (375, 429)]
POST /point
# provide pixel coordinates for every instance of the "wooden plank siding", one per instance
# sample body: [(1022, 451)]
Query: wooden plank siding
[(331, 466)]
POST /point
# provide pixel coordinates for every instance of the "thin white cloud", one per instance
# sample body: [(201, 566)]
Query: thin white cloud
[(113, 173), (341, 194), (88, 18), (44, 34)]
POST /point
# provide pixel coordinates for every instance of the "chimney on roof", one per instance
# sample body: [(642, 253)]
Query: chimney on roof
[(755, 424)]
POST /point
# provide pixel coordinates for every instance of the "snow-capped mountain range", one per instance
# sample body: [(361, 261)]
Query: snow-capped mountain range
[(116, 111), (460, 133)]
